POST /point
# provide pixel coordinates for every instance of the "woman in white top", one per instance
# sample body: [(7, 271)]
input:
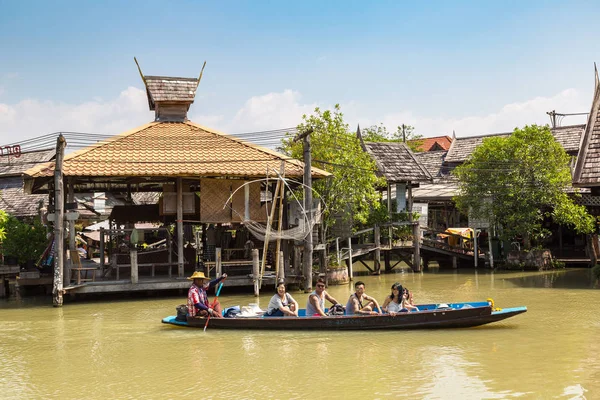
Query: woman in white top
[(393, 302), (282, 304)]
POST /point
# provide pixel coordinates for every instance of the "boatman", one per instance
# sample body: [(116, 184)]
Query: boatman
[(360, 303), (197, 301)]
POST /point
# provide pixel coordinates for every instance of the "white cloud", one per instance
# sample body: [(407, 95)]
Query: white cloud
[(270, 111), (32, 117), (504, 120)]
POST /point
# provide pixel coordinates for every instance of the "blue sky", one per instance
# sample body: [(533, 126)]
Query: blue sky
[(469, 67)]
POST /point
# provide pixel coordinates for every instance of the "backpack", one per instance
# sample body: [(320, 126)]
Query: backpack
[(336, 309)]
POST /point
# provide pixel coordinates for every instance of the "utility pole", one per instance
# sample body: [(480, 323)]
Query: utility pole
[(552, 115), (308, 241), (403, 133), (59, 233)]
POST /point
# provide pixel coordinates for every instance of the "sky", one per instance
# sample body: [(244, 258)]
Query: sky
[(468, 67)]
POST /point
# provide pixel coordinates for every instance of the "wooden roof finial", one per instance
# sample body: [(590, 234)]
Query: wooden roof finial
[(140, 70), (200, 77)]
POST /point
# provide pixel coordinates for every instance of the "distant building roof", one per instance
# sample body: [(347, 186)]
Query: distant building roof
[(433, 162), (15, 202), (10, 165), (396, 162), (433, 143), (462, 148), (435, 191)]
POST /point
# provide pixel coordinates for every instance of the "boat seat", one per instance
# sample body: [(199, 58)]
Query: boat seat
[(77, 269)]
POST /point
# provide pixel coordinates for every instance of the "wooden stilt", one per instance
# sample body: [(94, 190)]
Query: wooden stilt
[(255, 271), (417, 247), (350, 262), (377, 255)]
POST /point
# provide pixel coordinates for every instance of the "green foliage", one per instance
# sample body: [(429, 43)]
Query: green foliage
[(24, 240), (3, 218), (379, 133), (350, 192), (513, 180)]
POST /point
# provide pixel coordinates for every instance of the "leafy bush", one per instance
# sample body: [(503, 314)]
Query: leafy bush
[(24, 240)]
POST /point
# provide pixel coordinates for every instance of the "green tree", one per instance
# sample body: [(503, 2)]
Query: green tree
[(379, 133), (517, 181), (350, 192), (3, 219), (25, 240)]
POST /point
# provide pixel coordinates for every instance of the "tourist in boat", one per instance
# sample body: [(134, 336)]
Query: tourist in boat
[(393, 302), (282, 304), (197, 301), (361, 303), (407, 302), (315, 306)]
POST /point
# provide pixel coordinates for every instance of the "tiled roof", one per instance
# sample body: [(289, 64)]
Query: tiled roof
[(174, 149), (164, 88), (429, 143), (587, 169), (569, 137), (15, 166), (15, 202), (462, 148), (432, 161), (396, 162)]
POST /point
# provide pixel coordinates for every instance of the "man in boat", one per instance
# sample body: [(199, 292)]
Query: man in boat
[(361, 303), (197, 300), (315, 306)]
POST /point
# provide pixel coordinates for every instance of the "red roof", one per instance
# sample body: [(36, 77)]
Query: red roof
[(433, 143)]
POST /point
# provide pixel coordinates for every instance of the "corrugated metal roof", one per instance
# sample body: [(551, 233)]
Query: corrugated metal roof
[(174, 149)]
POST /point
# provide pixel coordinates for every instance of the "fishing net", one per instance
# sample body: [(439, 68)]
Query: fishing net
[(268, 231)]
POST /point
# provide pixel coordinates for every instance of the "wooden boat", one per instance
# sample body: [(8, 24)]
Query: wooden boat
[(429, 316)]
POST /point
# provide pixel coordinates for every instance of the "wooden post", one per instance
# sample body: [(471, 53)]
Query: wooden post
[(417, 246), (72, 243), (133, 255), (247, 202), (350, 262), (297, 259), (475, 249), (59, 233), (102, 250), (255, 271), (170, 250), (454, 262), (490, 246), (377, 234), (281, 274), (278, 264), (337, 251), (268, 232), (180, 227), (218, 266), (389, 207), (308, 204)]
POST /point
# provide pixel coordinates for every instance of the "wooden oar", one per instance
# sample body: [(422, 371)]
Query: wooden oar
[(213, 304)]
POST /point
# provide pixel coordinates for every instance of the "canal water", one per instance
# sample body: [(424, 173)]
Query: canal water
[(120, 350)]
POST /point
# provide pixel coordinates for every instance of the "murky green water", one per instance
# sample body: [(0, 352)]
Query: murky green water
[(119, 349)]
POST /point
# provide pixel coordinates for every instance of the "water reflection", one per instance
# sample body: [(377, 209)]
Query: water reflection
[(120, 350)]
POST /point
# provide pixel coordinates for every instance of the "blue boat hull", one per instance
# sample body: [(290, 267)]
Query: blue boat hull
[(429, 316)]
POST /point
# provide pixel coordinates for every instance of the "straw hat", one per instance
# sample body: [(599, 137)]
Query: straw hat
[(198, 275)]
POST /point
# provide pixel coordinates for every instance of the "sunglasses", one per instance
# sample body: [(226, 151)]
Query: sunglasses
[(320, 285)]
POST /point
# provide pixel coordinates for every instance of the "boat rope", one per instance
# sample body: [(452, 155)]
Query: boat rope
[(491, 301)]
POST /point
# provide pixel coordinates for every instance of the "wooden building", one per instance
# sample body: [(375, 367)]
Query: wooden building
[(196, 170)]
